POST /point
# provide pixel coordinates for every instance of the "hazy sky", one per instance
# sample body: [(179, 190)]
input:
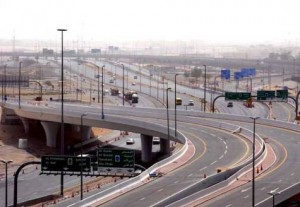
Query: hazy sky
[(214, 21)]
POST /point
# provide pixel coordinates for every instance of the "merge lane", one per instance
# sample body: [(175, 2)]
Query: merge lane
[(221, 150), (281, 140)]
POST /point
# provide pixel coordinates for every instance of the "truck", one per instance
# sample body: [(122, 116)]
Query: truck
[(249, 103), (114, 91), (131, 96)]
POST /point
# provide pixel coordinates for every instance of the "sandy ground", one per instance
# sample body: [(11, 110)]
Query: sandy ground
[(9, 139)]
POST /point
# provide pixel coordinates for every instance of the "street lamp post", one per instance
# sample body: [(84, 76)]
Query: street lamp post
[(62, 136), (175, 105), (273, 193), (62, 90), (168, 121), (204, 87), (253, 161), (20, 63), (98, 84), (81, 138), (102, 115), (6, 163), (123, 82)]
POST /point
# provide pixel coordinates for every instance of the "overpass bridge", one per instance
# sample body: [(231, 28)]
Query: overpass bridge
[(140, 120)]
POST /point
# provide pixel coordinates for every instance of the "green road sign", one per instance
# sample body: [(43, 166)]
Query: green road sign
[(65, 163), (282, 94), (238, 96), (116, 160), (265, 95)]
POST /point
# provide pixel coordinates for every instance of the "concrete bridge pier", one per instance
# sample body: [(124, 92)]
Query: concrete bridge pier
[(165, 146), (51, 129), (86, 133), (25, 123), (146, 142)]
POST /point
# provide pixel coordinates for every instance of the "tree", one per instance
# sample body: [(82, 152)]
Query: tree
[(196, 73)]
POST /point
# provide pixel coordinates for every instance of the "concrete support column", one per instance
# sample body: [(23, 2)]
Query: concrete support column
[(146, 142), (165, 146), (86, 132), (51, 129), (25, 123)]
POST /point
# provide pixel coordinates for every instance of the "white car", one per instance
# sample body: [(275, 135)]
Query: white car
[(191, 103), (156, 140), (133, 83), (130, 141)]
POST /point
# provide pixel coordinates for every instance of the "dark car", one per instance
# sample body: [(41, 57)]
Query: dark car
[(230, 104)]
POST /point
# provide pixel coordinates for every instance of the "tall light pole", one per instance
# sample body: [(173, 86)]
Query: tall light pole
[(123, 83), (204, 87), (5, 96), (102, 114), (62, 136), (168, 121), (140, 78), (175, 105), (98, 84), (62, 90), (20, 63), (81, 138), (273, 193), (6, 163), (253, 161)]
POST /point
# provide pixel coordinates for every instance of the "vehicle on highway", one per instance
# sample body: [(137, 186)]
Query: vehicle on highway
[(111, 81), (178, 101), (191, 103), (135, 98), (130, 141), (230, 104), (133, 83), (156, 140)]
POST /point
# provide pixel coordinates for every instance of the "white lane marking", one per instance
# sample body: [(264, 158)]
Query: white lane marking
[(244, 190), (202, 168), (160, 190), (228, 205), (226, 147), (213, 163), (213, 135), (224, 142), (246, 196), (279, 181), (292, 174), (176, 181), (263, 188), (221, 157), (225, 151), (190, 175), (142, 198), (274, 190)]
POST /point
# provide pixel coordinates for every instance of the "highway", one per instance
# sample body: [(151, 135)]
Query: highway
[(213, 149)]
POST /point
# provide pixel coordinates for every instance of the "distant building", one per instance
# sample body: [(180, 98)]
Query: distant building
[(113, 48), (95, 50), (48, 52)]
